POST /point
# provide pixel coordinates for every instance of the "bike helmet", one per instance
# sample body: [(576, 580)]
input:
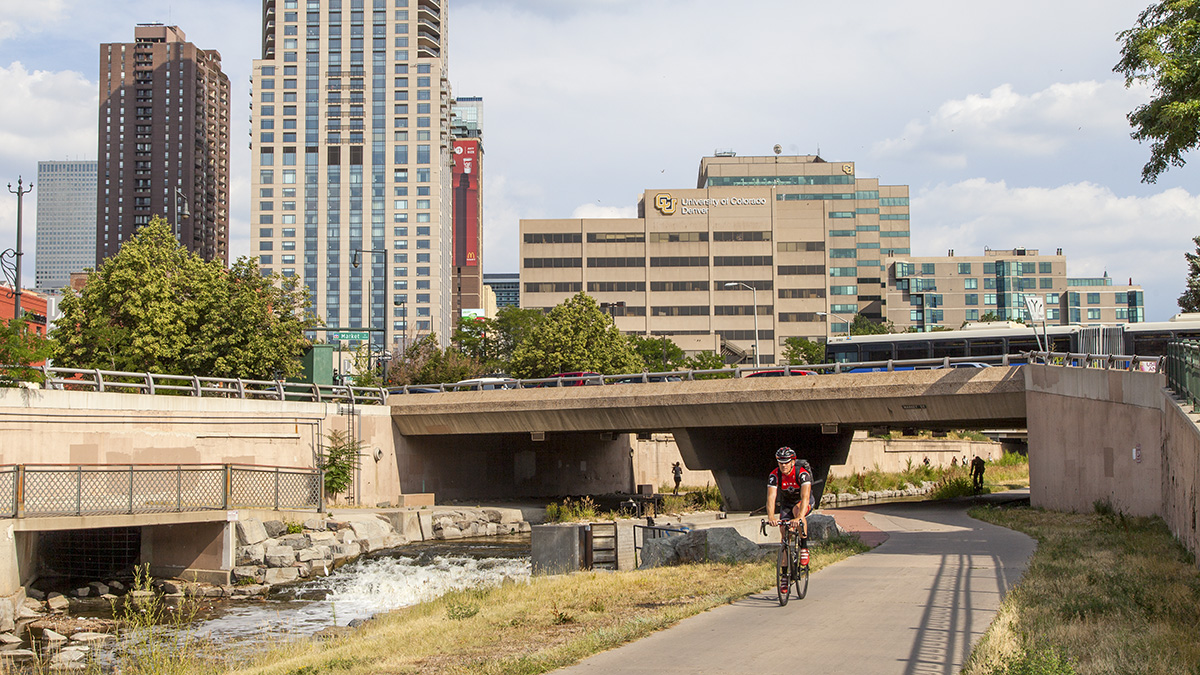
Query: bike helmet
[(785, 454)]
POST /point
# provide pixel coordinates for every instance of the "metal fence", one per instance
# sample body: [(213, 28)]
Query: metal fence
[(1149, 364), (42, 490), (1183, 371), (655, 532)]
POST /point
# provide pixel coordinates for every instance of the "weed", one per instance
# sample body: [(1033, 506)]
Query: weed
[(457, 611), (952, 484), (1104, 508), (1050, 661), (294, 528), (596, 606), (559, 617)]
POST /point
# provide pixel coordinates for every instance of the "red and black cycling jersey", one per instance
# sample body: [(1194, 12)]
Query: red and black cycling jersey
[(789, 484)]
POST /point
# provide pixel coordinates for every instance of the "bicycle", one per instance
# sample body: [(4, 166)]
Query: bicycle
[(790, 575)]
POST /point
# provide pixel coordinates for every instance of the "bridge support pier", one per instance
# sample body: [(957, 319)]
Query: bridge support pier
[(741, 458)]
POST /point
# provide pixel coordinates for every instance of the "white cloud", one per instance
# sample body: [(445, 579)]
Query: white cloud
[(1142, 238), (1007, 122), (19, 17)]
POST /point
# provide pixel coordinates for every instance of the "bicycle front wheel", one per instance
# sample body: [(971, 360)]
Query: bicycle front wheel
[(783, 574), (800, 586)]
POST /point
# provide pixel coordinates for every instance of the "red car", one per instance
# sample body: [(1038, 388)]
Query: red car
[(585, 377)]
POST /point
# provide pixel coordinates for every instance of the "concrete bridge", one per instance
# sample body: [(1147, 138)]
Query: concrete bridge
[(728, 426)]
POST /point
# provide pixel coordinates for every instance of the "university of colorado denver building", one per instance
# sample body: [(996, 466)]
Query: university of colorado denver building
[(797, 240)]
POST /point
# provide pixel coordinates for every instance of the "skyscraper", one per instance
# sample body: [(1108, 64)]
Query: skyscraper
[(66, 222), (164, 142), (466, 125), (351, 157)]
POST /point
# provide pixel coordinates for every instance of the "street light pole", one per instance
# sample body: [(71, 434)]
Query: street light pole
[(370, 290), (20, 193), (754, 310), (828, 329)]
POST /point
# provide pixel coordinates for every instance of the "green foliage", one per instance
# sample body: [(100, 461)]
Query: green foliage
[(1190, 300), (573, 511), (491, 342), (152, 635), (365, 374), (1160, 51), (425, 362), (576, 336), (293, 528), (21, 346), (457, 611), (340, 459), (988, 316), (803, 352), (659, 355), (155, 307), (953, 483), (1048, 661), (707, 361), (864, 326)]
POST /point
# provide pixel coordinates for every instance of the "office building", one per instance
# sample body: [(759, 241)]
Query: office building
[(164, 142), (66, 222), (506, 287), (466, 123), (935, 292), (351, 149), (763, 249)]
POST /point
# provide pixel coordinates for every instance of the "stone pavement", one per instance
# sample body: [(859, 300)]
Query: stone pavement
[(917, 603)]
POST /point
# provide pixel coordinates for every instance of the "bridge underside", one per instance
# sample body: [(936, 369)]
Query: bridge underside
[(569, 440)]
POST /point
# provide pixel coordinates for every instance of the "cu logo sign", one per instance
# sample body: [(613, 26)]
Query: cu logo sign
[(665, 203)]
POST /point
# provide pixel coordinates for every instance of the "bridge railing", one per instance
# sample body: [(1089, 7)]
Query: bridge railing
[(1183, 371), (212, 387), (44, 490), (1149, 364)]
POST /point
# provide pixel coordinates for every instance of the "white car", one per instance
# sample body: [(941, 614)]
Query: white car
[(481, 383)]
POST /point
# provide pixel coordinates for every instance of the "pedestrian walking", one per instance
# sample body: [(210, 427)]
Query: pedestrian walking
[(977, 467), (678, 472)]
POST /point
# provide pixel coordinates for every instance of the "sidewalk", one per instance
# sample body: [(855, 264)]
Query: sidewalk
[(916, 603)]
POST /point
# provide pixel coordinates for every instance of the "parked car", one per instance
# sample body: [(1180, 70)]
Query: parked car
[(585, 377), (638, 379), (877, 369), (485, 383), (414, 390), (790, 371)]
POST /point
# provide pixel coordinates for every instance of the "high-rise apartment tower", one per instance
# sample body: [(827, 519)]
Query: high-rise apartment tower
[(164, 142), (351, 157), (66, 222)]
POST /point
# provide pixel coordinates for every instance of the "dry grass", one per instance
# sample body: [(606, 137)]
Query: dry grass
[(529, 628), (1113, 594)]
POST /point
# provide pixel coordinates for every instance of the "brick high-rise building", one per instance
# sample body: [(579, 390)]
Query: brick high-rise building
[(351, 162), (164, 142)]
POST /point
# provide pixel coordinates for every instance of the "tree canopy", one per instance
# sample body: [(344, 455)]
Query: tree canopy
[(155, 307), (1161, 51), (864, 326), (803, 352), (575, 336), (658, 354), (1190, 300), (20, 347)]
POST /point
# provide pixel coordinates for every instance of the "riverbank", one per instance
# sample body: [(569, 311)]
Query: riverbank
[(1103, 593)]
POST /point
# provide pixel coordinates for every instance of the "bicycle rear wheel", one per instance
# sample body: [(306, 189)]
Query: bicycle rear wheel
[(800, 585), (783, 574)]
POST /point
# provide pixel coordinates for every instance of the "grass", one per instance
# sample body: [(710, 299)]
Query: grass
[(1104, 593), (1010, 471), (530, 628), (690, 498)]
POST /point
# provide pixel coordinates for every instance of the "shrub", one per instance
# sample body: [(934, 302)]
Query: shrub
[(339, 461), (1042, 662)]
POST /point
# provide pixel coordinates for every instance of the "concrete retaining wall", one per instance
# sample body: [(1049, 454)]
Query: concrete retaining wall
[(1181, 473)]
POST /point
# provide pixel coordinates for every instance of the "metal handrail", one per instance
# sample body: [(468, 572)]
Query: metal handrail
[(47, 490), (1183, 371)]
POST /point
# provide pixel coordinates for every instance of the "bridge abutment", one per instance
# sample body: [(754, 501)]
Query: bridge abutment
[(741, 458)]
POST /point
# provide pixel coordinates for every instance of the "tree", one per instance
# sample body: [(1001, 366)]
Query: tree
[(1190, 300), (427, 363), (706, 361), (659, 355), (339, 460), (864, 326), (1161, 52), (155, 307), (491, 341), (803, 352), (21, 347), (575, 336)]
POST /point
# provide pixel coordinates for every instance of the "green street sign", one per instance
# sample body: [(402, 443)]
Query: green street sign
[(349, 335)]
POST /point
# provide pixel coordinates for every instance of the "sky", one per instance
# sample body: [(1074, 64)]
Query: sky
[(1005, 120)]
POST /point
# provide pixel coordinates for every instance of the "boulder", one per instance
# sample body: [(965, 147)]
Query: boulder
[(296, 541), (98, 588), (33, 604), (250, 555), (116, 586), (169, 587), (9, 640), (450, 532), (251, 531), (280, 556), (368, 527), (36, 594), (281, 575), (18, 655), (253, 572), (315, 524), (51, 636), (323, 538), (822, 527), (343, 551), (713, 544), (88, 637), (274, 528), (310, 554)]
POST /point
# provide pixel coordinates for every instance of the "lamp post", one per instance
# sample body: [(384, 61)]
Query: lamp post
[(180, 215), (370, 315), (754, 310), (828, 331), (20, 193)]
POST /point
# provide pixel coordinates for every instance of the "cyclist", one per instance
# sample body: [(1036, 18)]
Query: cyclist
[(789, 494)]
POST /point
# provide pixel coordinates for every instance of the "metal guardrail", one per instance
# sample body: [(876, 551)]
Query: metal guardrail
[(1183, 371), (1149, 364), (44, 490), (211, 387)]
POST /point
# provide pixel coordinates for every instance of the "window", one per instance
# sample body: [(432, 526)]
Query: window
[(741, 236), (1045, 268), (843, 253), (1093, 299), (989, 299), (964, 268), (538, 263), (679, 261), (843, 290), (971, 299), (1052, 298), (972, 315), (801, 270), (1046, 282), (616, 262), (656, 237), (551, 237), (742, 261), (1093, 314), (928, 268), (970, 284), (613, 237)]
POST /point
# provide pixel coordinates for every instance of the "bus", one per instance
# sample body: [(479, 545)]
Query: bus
[(995, 338)]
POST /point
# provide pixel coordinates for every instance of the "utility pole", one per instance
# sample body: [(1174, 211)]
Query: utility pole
[(20, 193)]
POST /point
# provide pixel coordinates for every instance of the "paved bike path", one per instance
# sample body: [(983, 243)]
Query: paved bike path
[(917, 603)]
